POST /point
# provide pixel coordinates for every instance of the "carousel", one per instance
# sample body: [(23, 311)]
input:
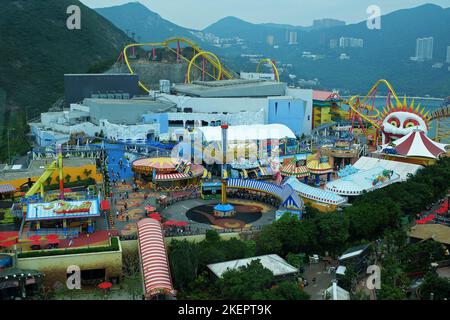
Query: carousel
[(167, 174), (319, 165), (292, 167)]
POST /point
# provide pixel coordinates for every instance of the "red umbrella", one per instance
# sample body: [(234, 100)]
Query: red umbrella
[(150, 208), (155, 216), (105, 285), (182, 223), (51, 236), (35, 238), (170, 223), (8, 243), (2, 238), (53, 241), (36, 242)]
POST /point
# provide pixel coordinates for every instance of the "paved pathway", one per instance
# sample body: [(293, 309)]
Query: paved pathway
[(323, 280)]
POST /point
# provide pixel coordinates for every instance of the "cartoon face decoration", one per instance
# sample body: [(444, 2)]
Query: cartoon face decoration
[(401, 120)]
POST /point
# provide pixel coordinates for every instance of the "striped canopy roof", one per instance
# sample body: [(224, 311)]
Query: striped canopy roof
[(291, 169), (7, 188), (314, 166), (315, 194), (155, 163), (417, 144), (155, 264), (196, 170)]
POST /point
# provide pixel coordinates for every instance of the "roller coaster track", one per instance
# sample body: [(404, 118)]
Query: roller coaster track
[(357, 105), (211, 58), (442, 121), (441, 113), (272, 64)]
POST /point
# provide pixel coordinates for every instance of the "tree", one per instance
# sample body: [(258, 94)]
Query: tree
[(234, 249), (394, 281), (433, 284), (78, 178), (285, 290), (348, 280), (67, 178), (267, 241), (183, 257), (245, 282), (419, 256), (332, 231), (87, 172), (294, 260), (212, 236)]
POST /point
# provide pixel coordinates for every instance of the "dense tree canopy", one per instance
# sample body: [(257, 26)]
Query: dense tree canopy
[(245, 282), (433, 284)]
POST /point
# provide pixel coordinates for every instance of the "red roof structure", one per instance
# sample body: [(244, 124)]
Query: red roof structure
[(417, 144), (325, 95), (155, 264)]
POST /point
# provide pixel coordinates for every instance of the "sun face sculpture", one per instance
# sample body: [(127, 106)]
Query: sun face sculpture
[(400, 120)]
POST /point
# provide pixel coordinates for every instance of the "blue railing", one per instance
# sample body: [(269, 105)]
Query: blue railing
[(68, 233)]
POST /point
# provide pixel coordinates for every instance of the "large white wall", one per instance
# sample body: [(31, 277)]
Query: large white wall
[(231, 105)]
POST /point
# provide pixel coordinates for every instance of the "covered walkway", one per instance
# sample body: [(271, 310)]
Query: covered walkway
[(154, 261)]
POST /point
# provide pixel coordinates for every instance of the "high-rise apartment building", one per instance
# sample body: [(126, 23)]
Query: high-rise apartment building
[(424, 49), (448, 55), (293, 37)]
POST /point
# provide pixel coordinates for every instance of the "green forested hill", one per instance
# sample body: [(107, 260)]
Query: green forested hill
[(36, 49)]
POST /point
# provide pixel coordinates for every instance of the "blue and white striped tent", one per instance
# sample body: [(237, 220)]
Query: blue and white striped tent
[(315, 194), (289, 198)]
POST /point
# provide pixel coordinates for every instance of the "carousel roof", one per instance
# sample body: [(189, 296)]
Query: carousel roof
[(417, 144), (315, 166), (291, 169), (156, 163)]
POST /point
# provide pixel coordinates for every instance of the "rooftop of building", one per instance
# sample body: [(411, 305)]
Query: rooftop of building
[(232, 88), (273, 262), (248, 133), (97, 74), (37, 167), (140, 101), (437, 232)]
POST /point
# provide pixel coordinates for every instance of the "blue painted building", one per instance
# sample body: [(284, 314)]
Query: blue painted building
[(291, 112), (161, 118)]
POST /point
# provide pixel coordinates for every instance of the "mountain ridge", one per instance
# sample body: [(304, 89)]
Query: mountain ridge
[(33, 63)]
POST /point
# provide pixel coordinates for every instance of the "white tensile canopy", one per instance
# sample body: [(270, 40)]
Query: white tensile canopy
[(248, 133)]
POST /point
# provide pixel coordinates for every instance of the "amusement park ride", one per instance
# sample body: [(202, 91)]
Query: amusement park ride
[(380, 127), (219, 72), (397, 118), (39, 184)]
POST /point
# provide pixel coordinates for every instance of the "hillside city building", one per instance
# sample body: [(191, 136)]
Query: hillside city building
[(424, 49)]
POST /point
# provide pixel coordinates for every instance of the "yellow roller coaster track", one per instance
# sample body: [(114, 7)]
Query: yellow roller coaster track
[(356, 105), (442, 116), (215, 63), (204, 54), (272, 64)]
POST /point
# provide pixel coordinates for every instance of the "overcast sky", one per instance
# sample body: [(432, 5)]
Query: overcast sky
[(198, 14)]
